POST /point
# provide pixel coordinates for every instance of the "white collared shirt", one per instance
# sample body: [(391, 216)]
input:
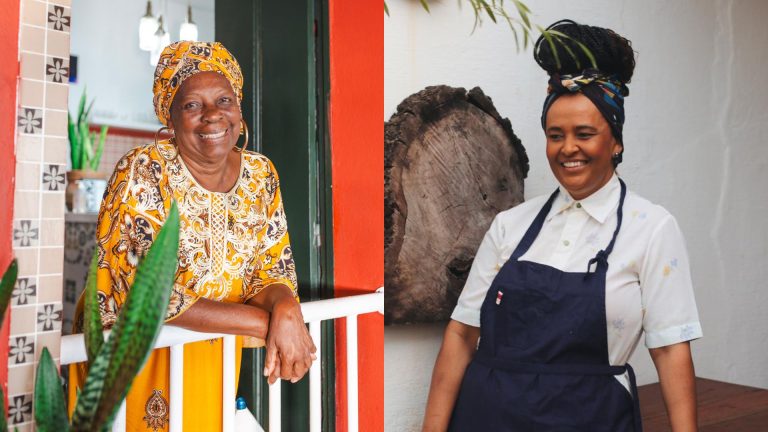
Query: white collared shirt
[(648, 284)]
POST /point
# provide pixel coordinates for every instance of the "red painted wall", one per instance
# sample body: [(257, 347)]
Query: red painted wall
[(9, 72), (357, 131)]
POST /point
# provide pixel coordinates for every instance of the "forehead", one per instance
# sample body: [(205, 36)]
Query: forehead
[(205, 81), (574, 110)]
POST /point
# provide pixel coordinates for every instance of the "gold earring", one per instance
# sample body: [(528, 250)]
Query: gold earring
[(243, 130), (164, 152)]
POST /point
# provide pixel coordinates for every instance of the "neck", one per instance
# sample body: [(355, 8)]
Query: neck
[(214, 175)]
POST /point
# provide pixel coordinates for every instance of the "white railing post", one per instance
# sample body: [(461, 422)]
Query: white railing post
[(352, 414), (315, 381), (73, 351), (228, 389), (119, 424), (275, 407), (176, 415)]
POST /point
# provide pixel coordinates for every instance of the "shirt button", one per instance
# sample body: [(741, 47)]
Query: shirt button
[(566, 242), (578, 205)]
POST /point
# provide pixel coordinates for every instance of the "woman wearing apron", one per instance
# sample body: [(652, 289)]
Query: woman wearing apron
[(563, 285)]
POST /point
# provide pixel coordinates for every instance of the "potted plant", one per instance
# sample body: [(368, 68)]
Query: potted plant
[(86, 148), (112, 362)]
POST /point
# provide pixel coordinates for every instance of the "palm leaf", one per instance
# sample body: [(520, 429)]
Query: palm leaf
[(94, 336), (425, 5), (134, 333), (583, 48), (50, 409)]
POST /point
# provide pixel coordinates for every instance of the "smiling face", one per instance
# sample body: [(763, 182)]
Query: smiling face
[(579, 145), (205, 117)]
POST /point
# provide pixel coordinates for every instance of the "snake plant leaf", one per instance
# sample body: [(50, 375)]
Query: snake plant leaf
[(3, 418), (74, 144), (99, 148), (50, 409), (133, 335), (94, 331), (6, 287), (81, 106)]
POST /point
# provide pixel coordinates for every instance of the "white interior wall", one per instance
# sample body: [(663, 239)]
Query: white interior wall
[(105, 38), (696, 107)]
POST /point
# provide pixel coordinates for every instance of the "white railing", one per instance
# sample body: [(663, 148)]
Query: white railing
[(73, 351)]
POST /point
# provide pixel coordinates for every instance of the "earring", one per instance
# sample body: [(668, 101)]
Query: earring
[(617, 158), (243, 130), (164, 151)]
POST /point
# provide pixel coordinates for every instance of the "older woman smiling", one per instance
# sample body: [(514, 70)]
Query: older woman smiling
[(236, 272)]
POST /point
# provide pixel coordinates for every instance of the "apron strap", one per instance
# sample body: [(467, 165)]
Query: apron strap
[(601, 259), (534, 229)]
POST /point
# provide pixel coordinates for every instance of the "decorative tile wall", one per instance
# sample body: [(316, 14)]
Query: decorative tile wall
[(38, 225)]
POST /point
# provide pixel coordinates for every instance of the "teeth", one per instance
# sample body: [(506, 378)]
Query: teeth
[(574, 164), (212, 136)]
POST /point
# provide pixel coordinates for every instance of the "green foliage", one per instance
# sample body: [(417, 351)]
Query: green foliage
[(112, 364), (94, 332), (50, 408), (85, 147), (519, 22), (6, 289), (130, 342)]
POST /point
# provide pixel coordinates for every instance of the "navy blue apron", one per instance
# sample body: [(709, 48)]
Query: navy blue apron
[(542, 362)]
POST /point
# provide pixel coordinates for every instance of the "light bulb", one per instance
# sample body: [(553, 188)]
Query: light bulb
[(162, 40), (147, 27), (188, 30)]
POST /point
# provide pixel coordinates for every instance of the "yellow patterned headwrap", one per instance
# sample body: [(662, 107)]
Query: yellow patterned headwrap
[(181, 60)]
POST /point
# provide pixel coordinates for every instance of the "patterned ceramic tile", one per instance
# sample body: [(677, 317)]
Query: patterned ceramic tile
[(56, 149), (70, 291), (20, 379), (21, 350), (26, 232), (80, 240), (52, 232), (30, 120), (19, 409), (49, 317), (26, 204), (57, 70), (59, 18), (25, 291), (53, 205), (49, 288), (53, 178)]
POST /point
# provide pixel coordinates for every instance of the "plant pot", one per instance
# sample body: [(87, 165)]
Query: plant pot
[(85, 190)]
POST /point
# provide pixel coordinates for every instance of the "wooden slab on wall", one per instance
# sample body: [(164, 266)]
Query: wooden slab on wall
[(451, 163)]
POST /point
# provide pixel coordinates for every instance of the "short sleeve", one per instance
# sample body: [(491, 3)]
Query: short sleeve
[(481, 274), (124, 236), (273, 263), (670, 313)]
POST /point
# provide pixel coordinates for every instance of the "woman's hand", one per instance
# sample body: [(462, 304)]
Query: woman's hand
[(459, 346), (290, 350), (678, 386)]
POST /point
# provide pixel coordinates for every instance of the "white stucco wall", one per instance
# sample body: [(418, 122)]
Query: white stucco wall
[(693, 141), (105, 38)]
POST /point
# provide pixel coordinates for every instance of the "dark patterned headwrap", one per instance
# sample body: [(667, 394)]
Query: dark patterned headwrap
[(606, 92), (181, 60)]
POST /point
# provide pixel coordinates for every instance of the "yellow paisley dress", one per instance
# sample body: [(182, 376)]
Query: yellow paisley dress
[(232, 245)]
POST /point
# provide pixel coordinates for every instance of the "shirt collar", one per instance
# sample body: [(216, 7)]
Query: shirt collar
[(598, 205)]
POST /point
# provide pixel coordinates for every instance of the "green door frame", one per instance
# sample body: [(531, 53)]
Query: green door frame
[(282, 48)]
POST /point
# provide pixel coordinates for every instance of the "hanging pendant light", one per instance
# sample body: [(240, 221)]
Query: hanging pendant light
[(162, 38), (188, 30), (147, 27)]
